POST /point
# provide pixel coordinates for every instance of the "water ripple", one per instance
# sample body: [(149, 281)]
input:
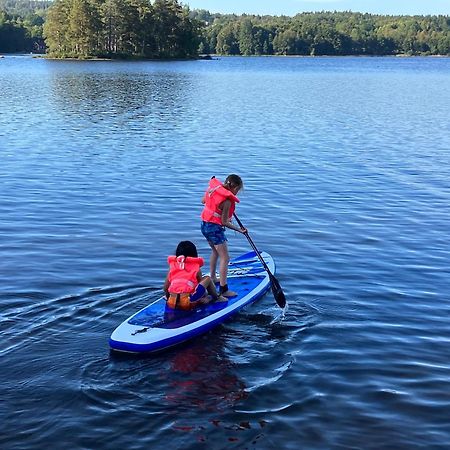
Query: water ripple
[(345, 165)]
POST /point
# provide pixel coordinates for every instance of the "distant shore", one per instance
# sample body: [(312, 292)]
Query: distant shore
[(212, 57)]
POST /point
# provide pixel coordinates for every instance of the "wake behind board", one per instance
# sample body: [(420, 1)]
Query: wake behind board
[(157, 327)]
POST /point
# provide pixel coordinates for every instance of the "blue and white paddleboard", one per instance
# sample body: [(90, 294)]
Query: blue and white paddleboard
[(157, 327)]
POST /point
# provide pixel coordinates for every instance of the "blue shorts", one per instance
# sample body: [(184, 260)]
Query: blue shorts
[(199, 293), (213, 232)]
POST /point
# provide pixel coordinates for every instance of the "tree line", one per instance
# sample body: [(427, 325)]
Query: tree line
[(324, 33), (21, 25), (121, 28), (168, 29), (100, 28)]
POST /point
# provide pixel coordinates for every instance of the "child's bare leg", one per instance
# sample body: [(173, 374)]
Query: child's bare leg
[(210, 286), (222, 250), (206, 282), (213, 262)]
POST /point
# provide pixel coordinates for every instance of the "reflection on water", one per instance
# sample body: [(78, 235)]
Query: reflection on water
[(202, 377), (123, 98)]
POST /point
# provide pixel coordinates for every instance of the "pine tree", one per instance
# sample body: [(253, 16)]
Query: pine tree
[(56, 29)]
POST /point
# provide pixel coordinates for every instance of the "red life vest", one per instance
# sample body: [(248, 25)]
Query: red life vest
[(215, 195), (183, 274)]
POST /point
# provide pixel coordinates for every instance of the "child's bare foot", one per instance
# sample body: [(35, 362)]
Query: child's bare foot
[(221, 298), (205, 300), (229, 293)]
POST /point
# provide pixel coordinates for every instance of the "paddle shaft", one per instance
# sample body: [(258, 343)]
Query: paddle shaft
[(276, 288), (253, 246)]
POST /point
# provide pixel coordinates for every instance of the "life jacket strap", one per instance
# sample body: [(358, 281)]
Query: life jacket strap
[(213, 213), (180, 261), (214, 189)]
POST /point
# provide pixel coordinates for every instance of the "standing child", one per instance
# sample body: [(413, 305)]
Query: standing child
[(185, 287), (220, 201)]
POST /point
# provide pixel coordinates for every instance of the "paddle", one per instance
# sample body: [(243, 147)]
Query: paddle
[(276, 288)]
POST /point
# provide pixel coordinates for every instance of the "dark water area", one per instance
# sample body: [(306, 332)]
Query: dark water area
[(346, 164)]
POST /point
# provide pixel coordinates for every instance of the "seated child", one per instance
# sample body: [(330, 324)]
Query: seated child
[(185, 287)]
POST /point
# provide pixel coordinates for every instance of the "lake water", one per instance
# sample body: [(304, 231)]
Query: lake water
[(346, 164)]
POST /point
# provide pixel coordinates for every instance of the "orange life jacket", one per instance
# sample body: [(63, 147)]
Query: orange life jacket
[(215, 195), (183, 274)]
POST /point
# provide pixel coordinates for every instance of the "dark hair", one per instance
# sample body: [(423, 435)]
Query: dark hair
[(234, 180), (186, 248)]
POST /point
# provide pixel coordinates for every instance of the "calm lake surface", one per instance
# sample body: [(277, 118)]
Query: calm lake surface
[(346, 164)]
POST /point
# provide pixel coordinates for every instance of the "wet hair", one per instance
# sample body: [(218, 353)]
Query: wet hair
[(234, 181), (186, 248)]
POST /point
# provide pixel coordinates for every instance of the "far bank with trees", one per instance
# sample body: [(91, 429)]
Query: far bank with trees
[(168, 29), (324, 33)]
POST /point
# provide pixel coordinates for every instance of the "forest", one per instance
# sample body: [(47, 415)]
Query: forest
[(100, 28), (21, 25), (169, 29), (324, 33)]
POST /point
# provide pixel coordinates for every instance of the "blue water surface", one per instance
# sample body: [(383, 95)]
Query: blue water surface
[(346, 165)]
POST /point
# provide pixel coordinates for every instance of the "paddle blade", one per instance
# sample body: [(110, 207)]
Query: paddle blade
[(277, 292)]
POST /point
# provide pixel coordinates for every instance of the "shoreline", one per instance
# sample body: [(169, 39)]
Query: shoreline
[(211, 57)]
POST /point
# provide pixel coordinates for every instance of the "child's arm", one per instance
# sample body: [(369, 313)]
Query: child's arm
[(166, 286), (226, 222)]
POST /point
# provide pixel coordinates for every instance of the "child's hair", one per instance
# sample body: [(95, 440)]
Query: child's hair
[(186, 248), (234, 181)]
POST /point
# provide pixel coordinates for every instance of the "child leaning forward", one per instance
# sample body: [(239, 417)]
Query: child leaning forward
[(219, 204)]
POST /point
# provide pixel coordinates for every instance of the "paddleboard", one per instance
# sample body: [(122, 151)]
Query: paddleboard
[(157, 327)]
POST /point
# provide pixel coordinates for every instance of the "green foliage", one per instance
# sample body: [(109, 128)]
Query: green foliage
[(245, 37), (21, 25), (121, 28), (227, 41), (166, 29), (325, 33), (56, 28), (100, 28)]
